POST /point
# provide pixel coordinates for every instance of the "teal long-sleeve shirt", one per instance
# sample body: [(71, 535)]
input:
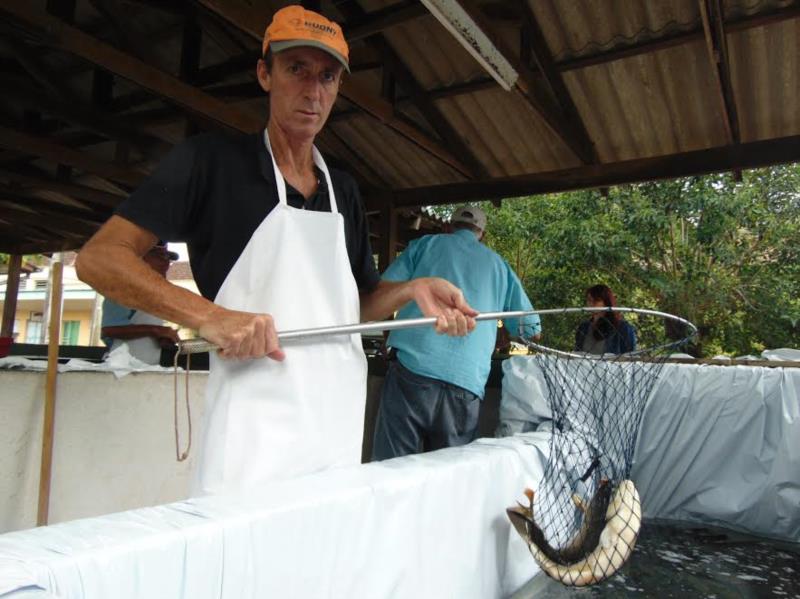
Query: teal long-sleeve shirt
[(488, 284)]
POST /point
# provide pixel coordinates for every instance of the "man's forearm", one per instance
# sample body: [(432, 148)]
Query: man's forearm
[(385, 299), (114, 268)]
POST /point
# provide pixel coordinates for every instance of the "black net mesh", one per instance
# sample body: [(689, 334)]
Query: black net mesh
[(599, 369)]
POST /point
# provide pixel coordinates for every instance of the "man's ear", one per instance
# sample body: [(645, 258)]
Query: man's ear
[(264, 77)]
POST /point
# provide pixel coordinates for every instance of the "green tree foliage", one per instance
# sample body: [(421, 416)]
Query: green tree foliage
[(720, 253)]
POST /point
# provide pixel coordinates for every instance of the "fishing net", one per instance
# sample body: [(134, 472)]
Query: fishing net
[(594, 376)]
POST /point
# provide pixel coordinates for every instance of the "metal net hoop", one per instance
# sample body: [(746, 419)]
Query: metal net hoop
[(596, 400)]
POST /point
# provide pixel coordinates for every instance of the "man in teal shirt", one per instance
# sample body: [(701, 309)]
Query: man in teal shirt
[(432, 391)]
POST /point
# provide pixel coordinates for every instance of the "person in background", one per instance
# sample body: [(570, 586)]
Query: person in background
[(143, 334), (604, 332), (433, 388), (275, 239)]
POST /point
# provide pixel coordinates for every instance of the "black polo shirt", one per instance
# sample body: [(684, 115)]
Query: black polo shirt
[(213, 190)]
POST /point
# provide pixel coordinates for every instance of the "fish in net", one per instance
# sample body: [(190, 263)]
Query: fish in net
[(598, 370)]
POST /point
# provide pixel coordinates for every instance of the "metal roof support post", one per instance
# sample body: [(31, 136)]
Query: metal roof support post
[(12, 289), (45, 472)]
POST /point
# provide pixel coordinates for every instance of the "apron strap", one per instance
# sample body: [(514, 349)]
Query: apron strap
[(280, 182)]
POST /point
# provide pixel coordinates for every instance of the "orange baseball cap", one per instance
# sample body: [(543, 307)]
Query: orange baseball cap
[(294, 26)]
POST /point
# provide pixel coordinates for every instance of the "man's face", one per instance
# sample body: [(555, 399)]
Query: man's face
[(303, 84)]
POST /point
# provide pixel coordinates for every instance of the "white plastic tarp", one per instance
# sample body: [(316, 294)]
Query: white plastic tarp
[(432, 525), (717, 444)]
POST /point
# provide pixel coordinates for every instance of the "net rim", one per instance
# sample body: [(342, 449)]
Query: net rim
[(635, 353)]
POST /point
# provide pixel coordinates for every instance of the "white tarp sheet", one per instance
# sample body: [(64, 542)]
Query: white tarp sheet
[(432, 525), (717, 444)]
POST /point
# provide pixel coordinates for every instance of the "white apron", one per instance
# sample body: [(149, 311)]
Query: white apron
[(268, 420)]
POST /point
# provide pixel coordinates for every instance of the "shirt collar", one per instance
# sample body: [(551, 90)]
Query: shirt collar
[(466, 234)]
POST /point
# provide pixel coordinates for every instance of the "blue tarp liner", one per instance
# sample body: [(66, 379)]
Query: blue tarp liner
[(717, 444)]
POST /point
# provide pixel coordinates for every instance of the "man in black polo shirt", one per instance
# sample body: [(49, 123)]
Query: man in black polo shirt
[(275, 240)]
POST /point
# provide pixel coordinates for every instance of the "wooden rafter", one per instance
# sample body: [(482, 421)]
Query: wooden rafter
[(50, 219), (694, 34), (717, 46), (84, 115), (58, 154), (361, 165), (534, 41), (47, 207), (252, 23), (125, 33), (58, 34), (532, 91), (750, 155), (381, 20), (419, 96)]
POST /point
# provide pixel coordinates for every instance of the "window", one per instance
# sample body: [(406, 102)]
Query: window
[(70, 329), (33, 332)]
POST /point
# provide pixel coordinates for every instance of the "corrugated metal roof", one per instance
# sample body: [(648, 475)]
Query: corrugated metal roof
[(639, 74)]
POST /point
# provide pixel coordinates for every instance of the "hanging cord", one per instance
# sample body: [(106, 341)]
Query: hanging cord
[(178, 455)]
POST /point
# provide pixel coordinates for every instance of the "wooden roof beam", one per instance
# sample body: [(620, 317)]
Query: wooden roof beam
[(252, 23), (47, 207), (56, 242), (700, 162), (16, 211), (438, 93), (419, 96), (58, 154), (380, 20), (529, 87), (711, 14), (20, 233), (74, 190), (533, 40), (125, 33), (677, 39), (85, 116), (57, 34)]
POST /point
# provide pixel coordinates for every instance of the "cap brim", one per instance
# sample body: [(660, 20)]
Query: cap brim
[(285, 45)]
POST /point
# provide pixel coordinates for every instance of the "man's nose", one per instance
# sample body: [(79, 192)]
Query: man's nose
[(313, 88)]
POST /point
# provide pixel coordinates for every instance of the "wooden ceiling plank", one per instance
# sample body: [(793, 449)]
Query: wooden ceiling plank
[(58, 34), (57, 154), (700, 162), (716, 44), (252, 23)]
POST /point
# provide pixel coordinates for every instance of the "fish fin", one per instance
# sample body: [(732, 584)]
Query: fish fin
[(579, 503)]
